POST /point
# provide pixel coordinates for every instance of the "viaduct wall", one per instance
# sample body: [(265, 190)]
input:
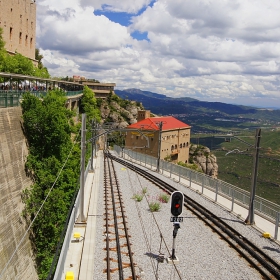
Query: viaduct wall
[(13, 153)]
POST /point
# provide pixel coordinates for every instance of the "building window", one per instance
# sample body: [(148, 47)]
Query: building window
[(152, 139), (32, 24), (172, 148), (175, 146), (20, 37), (26, 40), (184, 145), (180, 146), (31, 42), (11, 33), (137, 137), (187, 144)]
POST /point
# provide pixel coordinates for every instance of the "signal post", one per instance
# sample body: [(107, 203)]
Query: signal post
[(177, 202)]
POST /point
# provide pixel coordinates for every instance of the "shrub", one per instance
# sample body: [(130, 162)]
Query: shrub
[(154, 206)]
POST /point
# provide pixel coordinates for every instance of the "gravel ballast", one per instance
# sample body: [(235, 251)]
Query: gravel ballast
[(202, 254)]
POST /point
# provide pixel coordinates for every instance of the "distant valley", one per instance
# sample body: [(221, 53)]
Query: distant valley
[(205, 117)]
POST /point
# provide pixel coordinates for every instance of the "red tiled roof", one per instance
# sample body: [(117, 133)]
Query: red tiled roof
[(168, 123)]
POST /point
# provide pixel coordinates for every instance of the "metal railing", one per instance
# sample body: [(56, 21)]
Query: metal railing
[(263, 207), (12, 98)]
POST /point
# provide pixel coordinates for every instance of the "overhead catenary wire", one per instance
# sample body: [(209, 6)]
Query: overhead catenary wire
[(39, 210)]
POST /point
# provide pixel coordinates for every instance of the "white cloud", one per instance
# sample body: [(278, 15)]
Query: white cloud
[(211, 49)]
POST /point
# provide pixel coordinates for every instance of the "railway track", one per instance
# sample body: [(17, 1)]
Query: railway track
[(257, 258), (119, 255)]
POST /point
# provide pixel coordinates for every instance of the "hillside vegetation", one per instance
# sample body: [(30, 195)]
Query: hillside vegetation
[(236, 167)]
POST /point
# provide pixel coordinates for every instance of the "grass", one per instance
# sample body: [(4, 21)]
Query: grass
[(144, 190), (154, 206), (138, 197), (164, 197)]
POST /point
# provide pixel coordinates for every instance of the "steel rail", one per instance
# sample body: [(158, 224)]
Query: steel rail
[(130, 253), (116, 199), (107, 224), (268, 268)]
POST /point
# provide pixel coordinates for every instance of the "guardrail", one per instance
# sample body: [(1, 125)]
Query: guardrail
[(11, 98), (61, 251), (263, 207)]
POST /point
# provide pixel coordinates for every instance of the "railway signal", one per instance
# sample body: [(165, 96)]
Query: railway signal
[(177, 201)]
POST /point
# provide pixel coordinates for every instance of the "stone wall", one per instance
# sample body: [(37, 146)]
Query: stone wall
[(18, 21), (13, 153)]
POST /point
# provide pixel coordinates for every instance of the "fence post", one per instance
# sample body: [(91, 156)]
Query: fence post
[(11, 100), (170, 169), (216, 197), (276, 226), (190, 179), (232, 199), (145, 159), (179, 179), (202, 185)]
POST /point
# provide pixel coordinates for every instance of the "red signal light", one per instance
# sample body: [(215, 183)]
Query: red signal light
[(177, 200)]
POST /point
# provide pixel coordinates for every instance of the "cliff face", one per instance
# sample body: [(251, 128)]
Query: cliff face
[(13, 152), (120, 113), (203, 158)]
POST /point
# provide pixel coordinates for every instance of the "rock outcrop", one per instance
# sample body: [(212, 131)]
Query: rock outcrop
[(119, 112), (204, 159)]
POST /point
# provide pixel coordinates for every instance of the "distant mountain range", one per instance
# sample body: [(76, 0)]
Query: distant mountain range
[(202, 115)]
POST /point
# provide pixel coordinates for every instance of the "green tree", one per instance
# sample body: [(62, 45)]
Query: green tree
[(2, 42), (89, 105), (39, 58), (47, 125)]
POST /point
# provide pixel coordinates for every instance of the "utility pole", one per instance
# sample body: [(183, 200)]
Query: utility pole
[(159, 145), (81, 218), (250, 219)]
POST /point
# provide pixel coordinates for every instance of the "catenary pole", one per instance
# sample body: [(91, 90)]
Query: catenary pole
[(159, 145), (250, 219), (81, 218)]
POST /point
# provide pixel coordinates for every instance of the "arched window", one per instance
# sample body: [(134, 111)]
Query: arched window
[(172, 148), (187, 144), (184, 145), (175, 146), (181, 146)]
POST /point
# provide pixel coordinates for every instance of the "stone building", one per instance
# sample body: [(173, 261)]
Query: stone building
[(172, 142), (101, 90), (18, 21)]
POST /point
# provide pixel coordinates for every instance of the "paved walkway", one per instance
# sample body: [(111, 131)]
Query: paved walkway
[(80, 254)]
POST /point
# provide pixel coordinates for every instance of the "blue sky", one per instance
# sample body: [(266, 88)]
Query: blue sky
[(213, 50)]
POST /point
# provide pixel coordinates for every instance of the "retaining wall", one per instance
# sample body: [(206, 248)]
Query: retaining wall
[(13, 153)]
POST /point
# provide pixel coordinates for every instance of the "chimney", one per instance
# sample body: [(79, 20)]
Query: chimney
[(143, 114)]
